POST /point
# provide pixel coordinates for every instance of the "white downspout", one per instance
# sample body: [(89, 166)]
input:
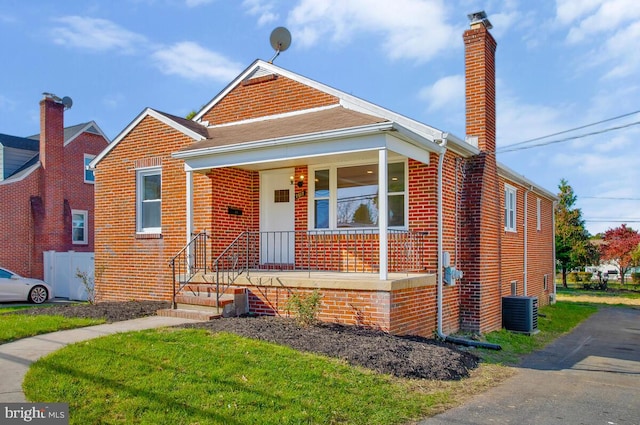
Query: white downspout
[(526, 238), (383, 213), (443, 145)]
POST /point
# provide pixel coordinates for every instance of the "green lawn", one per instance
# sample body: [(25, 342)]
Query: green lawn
[(16, 326), (171, 376), (553, 321), (178, 376)]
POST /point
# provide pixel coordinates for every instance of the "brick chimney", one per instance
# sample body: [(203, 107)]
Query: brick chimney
[(480, 78), (481, 218), (52, 183)]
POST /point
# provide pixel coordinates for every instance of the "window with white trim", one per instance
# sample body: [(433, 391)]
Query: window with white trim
[(148, 200), (88, 174), (538, 224), (347, 196), (79, 227), (509, 208)]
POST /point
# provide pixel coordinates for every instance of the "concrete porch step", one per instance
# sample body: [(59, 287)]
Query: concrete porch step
[(207, 289), (204, 300), (189, 314)]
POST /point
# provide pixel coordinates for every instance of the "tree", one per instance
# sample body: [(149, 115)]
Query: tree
[(619, 246), (573, 248)]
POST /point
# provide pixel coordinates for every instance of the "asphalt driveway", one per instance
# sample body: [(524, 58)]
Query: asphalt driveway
[(590, 376)]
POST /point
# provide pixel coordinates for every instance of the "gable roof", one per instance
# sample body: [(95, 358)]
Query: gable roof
[(187, 127), (16, 142), (72, 132), (32, 143)]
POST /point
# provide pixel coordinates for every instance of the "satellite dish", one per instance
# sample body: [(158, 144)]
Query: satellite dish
[(280, 40), (67, 102)]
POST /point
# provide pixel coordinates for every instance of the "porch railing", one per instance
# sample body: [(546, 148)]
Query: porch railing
[(349, 251), (191, 260), (353, 251)]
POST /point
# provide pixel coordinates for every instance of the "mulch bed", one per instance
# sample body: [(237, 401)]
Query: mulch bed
[(407, 357)]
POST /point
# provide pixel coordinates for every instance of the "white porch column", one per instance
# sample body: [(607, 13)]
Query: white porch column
[(383, 212), (189, 204)]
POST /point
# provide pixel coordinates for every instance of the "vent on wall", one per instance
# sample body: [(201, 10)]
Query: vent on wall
[(520, 314)]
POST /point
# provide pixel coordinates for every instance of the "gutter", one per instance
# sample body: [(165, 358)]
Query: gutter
[(440, 333)]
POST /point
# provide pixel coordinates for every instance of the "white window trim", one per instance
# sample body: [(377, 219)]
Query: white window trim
[(510, 227), (85, 236), (141, 172), (333, 194), (538, 214), (84, 168)]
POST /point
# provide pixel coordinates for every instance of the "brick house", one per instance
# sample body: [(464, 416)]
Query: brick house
[(287, 176), (46, 192)]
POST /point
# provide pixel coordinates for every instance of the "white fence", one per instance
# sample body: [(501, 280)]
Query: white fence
[(61, 269)]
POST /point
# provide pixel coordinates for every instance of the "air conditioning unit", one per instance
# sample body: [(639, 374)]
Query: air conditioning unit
[(520, 314)]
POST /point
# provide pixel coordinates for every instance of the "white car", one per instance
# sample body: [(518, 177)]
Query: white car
[(14, 287)]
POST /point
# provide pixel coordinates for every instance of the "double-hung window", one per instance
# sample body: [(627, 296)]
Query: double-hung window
[(88, 174), (79, 224), (149, 200), (509, 208), (348, 196)]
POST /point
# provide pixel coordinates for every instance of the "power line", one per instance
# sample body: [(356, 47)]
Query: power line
[(566, 139), (572, 129), (614, 220), (609, 198)]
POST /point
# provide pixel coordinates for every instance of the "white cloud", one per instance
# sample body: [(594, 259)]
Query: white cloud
[(518, 121), (445, 94), (411, 29), (6, 104), (610, 16), (262, 9), (190, 60), (95, 34), (621, 51), (568, 11)]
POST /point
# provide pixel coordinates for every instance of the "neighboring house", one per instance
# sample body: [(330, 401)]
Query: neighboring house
[(288, 178), (46, 190)]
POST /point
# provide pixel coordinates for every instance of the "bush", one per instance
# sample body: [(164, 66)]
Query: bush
[(305, 307), (575, 277), (635, 277)]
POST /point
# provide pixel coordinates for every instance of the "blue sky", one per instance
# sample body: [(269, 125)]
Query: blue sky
[(560, 65)]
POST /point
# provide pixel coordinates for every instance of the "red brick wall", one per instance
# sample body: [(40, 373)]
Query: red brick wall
[(481, 231), (539, 246), (266, 96), (16, 225), (409, 311), (28, 228), (235, 188), (78, 193), (129, 266)]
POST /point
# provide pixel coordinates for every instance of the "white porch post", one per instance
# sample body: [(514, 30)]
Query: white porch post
[(189, 204), (383, 212)]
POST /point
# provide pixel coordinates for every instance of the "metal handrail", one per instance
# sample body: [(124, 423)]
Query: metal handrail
[(188, 262)]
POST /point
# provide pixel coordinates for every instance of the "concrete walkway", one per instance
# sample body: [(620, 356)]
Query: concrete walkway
[(15, 357), (590, 376)]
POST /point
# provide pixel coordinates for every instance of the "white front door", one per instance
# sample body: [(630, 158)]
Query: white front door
[(277, 213)]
